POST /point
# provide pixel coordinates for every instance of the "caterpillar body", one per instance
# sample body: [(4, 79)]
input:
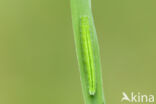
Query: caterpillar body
[(88, 57)]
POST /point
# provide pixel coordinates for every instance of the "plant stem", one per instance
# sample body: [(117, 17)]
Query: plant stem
[(82, 8)]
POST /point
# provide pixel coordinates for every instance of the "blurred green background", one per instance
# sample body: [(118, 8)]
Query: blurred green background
[(38, 62)]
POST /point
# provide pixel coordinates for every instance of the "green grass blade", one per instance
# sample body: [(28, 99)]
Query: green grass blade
[(80, 9)]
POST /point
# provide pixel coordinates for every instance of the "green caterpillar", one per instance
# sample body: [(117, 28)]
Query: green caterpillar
[(87, 52)]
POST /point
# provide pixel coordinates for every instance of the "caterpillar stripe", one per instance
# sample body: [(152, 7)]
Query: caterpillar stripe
[(88, 53)]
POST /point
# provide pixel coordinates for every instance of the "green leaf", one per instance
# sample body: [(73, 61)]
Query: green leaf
[(82, 8)]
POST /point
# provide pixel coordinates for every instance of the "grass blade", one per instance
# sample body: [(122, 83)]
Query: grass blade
[(87, 50)]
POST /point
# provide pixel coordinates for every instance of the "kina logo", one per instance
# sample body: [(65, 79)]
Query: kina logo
[(137, 98)]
